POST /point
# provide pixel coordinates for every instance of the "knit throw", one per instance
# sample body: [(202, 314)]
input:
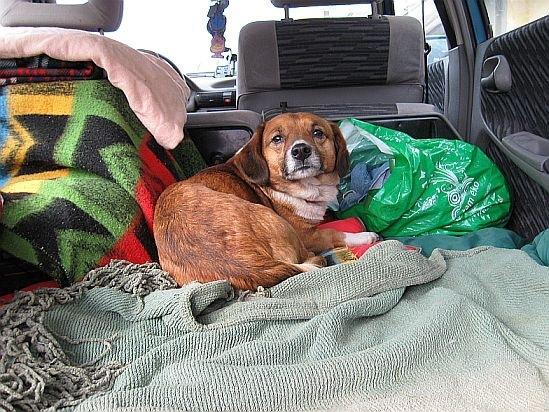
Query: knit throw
[(392, 331)]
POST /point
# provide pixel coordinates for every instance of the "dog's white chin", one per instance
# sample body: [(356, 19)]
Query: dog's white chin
[(303, 173)]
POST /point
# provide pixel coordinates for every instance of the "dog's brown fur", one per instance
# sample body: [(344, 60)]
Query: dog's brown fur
[(240, 221)]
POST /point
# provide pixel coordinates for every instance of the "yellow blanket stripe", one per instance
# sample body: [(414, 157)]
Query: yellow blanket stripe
[(45, 104), (32, 183), (20, 140), (16, 147)]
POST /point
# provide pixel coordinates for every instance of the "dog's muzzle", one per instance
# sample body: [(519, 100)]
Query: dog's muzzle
[(301, 161)]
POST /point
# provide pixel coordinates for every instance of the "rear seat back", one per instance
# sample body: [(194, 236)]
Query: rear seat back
[(331, 61)]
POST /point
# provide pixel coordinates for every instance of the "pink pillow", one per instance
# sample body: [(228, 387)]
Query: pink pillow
[(155, 92)]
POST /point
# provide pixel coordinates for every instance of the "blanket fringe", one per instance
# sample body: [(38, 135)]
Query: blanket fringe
[(35, 373)]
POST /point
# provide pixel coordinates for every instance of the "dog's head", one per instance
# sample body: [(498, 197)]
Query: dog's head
[(291, 147)]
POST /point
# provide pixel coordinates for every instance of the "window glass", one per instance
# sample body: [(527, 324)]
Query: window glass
[(177, 29), (507, 15), (434, 31)]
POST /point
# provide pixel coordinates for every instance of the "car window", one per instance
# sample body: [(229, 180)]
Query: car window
[(434, 31), (177, 29), (507, 15)]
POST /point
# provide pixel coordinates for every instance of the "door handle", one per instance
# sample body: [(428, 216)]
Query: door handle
[(496, 75)]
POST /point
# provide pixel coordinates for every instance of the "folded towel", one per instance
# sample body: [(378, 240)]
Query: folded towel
[(45, 69), (41, 62)]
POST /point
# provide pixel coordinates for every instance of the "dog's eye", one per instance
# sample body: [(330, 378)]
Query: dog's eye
[(319, 134), (277, 139)]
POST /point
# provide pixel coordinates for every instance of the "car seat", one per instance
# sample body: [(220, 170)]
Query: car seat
[(332, 66)]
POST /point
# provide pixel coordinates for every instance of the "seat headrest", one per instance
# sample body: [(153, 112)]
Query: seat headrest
[(311, 3), (95, 15), (334, 52)]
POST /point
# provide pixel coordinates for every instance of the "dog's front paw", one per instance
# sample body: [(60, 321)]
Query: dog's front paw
[(362, 238)]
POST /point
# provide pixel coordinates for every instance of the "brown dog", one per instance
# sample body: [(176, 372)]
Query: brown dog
[(252, 220)]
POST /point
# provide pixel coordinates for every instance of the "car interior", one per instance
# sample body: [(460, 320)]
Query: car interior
[(487, 88)]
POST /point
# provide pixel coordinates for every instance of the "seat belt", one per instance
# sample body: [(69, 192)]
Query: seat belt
[(426, 51)]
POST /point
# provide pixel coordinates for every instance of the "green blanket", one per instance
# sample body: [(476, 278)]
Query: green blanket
[(539, 248), (473, 333), (493, 236)]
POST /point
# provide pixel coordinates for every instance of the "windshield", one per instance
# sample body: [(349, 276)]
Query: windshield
[(177, 29)]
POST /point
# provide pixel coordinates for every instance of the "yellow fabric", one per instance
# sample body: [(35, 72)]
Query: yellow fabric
[(16, 147), (56, 105), (20, 141), (32, 183)]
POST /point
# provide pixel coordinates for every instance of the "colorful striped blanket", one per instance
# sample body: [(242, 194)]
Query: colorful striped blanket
[(80, 176)]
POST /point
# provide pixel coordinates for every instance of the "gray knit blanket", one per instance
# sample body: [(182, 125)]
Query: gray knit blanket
[(392, 331)]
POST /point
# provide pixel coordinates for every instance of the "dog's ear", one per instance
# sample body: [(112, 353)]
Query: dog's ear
[(250, 160), (342, 155)]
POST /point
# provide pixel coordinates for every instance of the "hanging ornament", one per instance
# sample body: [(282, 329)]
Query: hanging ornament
[(216, 27)]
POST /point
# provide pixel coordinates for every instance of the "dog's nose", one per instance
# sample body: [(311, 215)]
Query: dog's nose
[(301, 151)]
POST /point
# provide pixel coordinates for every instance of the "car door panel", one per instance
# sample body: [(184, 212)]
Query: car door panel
[(436, 74), (499, 111)]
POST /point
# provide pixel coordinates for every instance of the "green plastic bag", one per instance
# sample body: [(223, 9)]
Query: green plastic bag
[(435, 186)]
